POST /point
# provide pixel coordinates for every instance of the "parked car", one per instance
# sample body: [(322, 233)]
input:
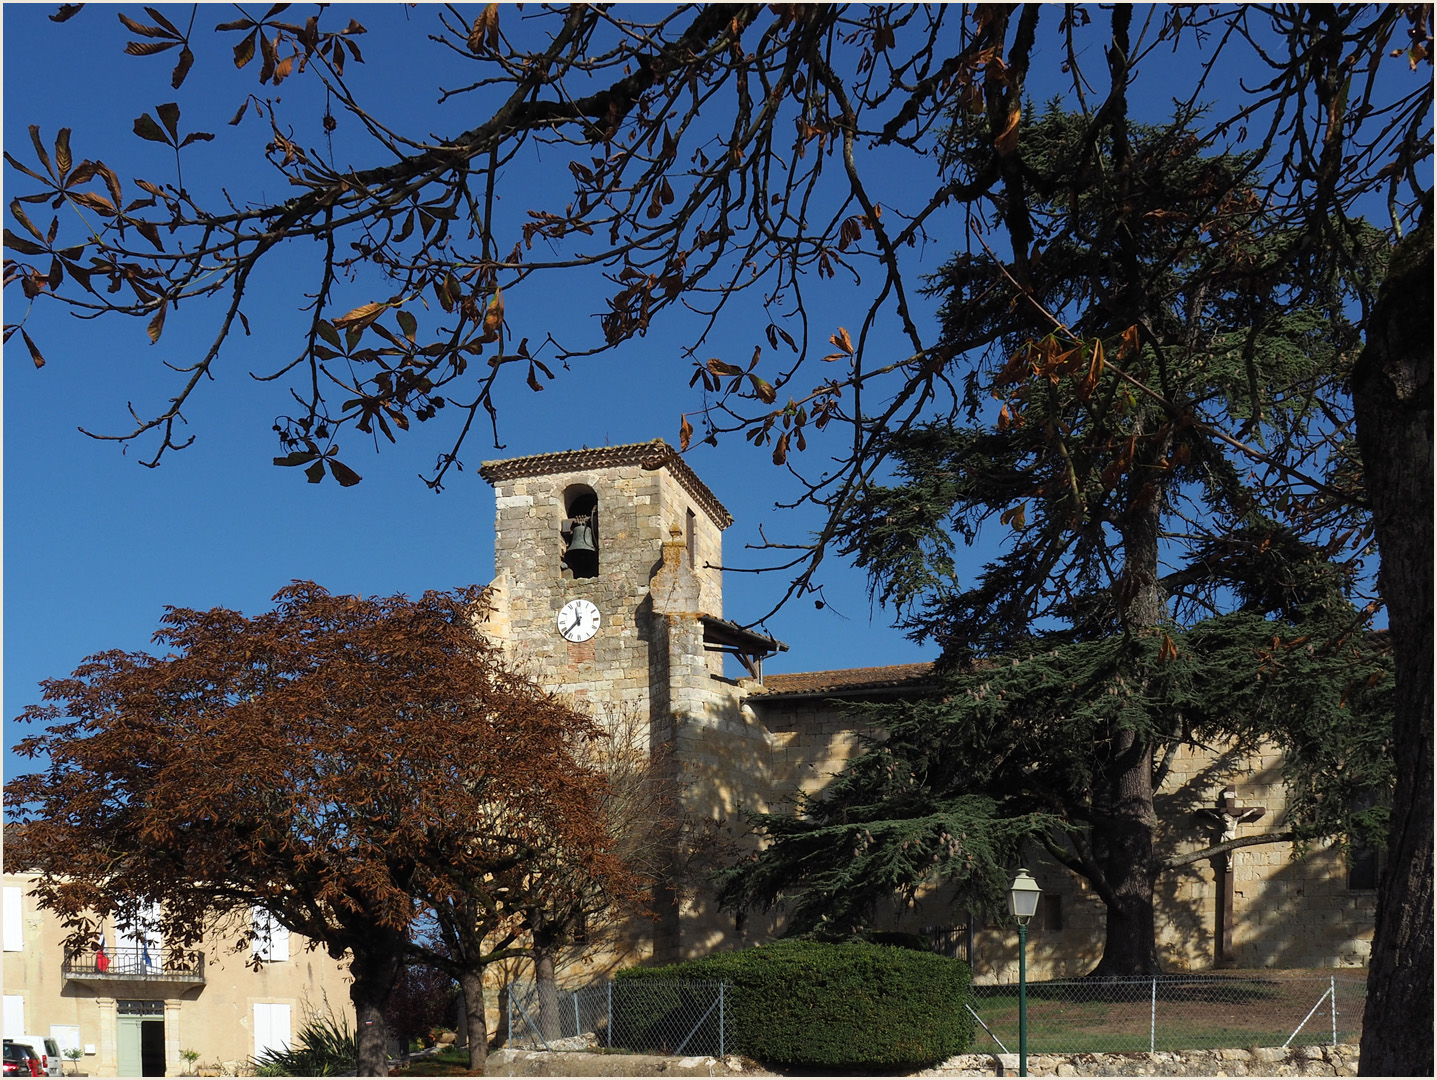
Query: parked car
[(19, 1060), (52, 1062)]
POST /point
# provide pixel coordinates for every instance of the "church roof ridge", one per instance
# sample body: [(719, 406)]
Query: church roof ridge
[(652, 455), (848, 679)]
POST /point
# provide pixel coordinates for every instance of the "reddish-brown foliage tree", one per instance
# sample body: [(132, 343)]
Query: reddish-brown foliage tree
[(423, 1002), (342, 762)]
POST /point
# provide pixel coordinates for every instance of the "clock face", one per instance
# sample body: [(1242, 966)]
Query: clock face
[(578, 620)]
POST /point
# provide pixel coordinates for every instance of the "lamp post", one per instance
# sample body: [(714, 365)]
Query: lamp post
[(1022, 905)]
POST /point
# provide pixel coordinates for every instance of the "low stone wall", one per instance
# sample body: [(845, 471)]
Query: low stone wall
[(560, 1063), (1340, 1060)]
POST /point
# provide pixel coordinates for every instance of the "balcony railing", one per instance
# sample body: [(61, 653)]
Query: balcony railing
[(156, 965)]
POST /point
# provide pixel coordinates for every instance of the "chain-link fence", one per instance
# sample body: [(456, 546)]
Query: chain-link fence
[(1066, 1016), (648, 1016), (1172, 1012)]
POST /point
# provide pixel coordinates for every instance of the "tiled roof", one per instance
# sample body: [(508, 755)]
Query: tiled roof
[(849, 679), (649, 455)]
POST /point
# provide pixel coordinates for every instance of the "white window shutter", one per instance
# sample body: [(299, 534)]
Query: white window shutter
[(14, 928), (279, 1026), (14, 1015), (152, 931), (271, 938), (261, 1029), (271, 1028)]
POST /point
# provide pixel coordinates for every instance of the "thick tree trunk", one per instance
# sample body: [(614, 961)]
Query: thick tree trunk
[(1130, 941), (476, 1024), (374, 972), (1129, 820), (1392, 393), (550, 1024)]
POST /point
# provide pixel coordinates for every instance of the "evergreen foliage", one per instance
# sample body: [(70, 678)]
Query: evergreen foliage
[(1153, 590), (1017, 749), (1163, 303), (852, 1005)]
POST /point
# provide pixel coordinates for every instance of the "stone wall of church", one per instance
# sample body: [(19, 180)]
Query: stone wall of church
[(811, 743), (1288, 912)]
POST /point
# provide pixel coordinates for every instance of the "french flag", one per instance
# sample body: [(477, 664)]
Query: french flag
[(102, 960)]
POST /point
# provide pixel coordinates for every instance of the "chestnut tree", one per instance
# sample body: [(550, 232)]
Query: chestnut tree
[(344, 763)]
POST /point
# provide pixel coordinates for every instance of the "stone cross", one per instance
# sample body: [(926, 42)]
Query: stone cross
[(1228, 815)]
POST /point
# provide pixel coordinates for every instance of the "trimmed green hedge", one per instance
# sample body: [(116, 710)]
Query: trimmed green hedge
[(853, 1004)]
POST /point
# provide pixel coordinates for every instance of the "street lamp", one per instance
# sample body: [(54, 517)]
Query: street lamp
[(1023, 905)]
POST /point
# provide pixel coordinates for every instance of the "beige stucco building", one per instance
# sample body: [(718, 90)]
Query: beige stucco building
[(653, 641), (138, 1010)]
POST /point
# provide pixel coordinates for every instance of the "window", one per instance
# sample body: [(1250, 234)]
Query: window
[(271, 1027), (271, 940), (949, 940), (1362, 861), (580, 531), (1362, 869), (1052, 911), (140, 1008), (137, 941), (14, 928)]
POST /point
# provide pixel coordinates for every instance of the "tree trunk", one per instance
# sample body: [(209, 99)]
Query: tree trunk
[(1392, 394), (374, 971), (550, 1024), (476, 1025), (1130, 939), (1129, 820)]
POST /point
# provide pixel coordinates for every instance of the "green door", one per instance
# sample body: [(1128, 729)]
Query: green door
[(141, 1037), (130, 1063)]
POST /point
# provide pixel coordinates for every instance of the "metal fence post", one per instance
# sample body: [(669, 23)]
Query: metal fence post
[(1153, 1024), (721, 1020), (578, 1024), (1332, 980), (609, 1031), (509, 1015)]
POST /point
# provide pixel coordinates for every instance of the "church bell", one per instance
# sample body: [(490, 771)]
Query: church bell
[(581, 539)]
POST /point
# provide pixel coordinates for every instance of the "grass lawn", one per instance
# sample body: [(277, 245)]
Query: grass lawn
[(450, 1061), (1186, 1013)]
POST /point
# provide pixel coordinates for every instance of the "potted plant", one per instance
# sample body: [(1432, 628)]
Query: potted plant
[(190, 1056), (74, 1053)]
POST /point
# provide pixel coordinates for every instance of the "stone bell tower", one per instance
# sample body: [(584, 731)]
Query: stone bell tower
[(578, 536), (608, 589)]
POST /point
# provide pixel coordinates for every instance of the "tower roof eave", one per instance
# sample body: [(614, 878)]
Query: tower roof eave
[(653, 455)]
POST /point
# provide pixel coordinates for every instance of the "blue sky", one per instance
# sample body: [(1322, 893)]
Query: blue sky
[(95, 544)]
